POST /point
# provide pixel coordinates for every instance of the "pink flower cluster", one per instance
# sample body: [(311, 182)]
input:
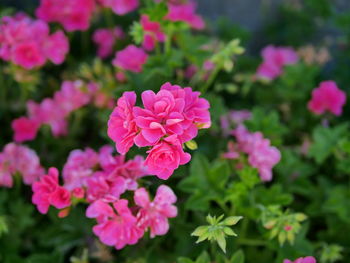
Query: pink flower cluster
[(233, 117), (47, 192), (185, 12), (261, 154), (327, 97), (72, 14), (131, 58), (120, 7), (28, 43), (169, 118), (51, 111), (275, 58), (301, 260), (152, 33), (118, 226), (19, 159), (105, 39)]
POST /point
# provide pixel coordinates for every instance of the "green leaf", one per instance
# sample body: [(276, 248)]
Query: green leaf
[(228, 231), (237, 257), (203, 258), (199, 231), (232, 220), (220, 238)]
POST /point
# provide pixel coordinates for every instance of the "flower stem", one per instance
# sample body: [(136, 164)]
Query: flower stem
[(210, 80)]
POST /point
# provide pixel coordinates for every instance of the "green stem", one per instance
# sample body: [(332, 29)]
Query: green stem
[(167, 45), (210, 80), (109, 17)]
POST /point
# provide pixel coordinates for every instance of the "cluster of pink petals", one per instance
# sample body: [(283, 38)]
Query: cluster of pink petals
[(185, 12), (72, 14), (207, 68), (20, 159), (105, 39), (327, 97), (152, 33), (301, 260), (51, 111), (275, 58), (120, 7), (47, 192), (28, 43), (169, 118), (117, 226), (261, 154), (130, 58)]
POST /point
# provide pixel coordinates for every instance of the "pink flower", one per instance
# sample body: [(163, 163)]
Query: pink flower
[(165, 157), (301, 260), (154, 215), (152, 33), (28, 55), (121, 125), (105, 38), (131, 58), (185, 13), (79, 167), (114, 229), (275, 58), (261, 154), (25, 129), (327, 97), (18, 158), (121, 7), (47, 192), (232, 151), (57, 47), (73, 14), (162, 115)]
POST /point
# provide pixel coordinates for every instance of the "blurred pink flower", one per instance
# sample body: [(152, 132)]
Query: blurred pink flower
[(165, 157), (121, 7), (154, 215), (327, 97), (25, 129), (275, 58), (185, 12), (20, 159), (301, 260), (115, 229), (131, 58), (105, 39), (47, 192), (73, 14), (152, 33)]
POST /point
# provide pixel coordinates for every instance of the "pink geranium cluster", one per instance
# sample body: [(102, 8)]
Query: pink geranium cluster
[(301, 260), (105, 39), (185, 12), (327, 97), (275, 58), (19, 159), (233, 117), (169, 118), (130, 58), (261, 154), (152, 33), (120, 7), (51, 111), (72, 14), (118, 226), (28, 43)]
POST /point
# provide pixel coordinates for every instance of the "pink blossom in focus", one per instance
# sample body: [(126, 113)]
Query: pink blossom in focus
[(301, 260), (105, 39), (186, 13), (47, 192), (18, 158), (327, 97), (165, 157), (154, 215), (72, 14), (118, 228), (131, 58), (121, 125), (275, 58), (25, 129), (152, 33)]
